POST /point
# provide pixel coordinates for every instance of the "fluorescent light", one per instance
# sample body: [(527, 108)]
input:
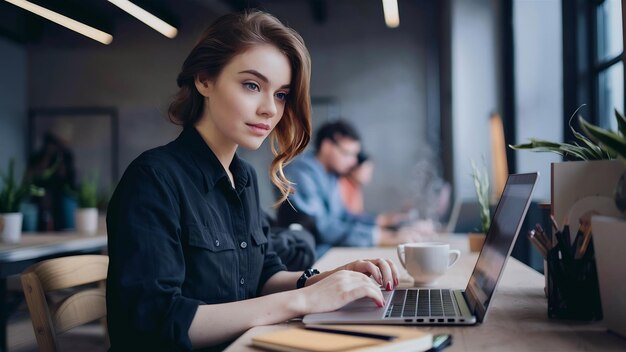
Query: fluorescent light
[(146, 17), (64, 21), (392, 16)]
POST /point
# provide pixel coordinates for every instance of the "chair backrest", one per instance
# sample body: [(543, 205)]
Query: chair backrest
[(81, 307)]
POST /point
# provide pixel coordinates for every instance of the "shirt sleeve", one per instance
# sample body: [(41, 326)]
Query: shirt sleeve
[(272, 263), (338, 229), (147, 264)]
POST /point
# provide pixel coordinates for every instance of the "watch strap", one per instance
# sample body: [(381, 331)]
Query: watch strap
[(305, 275)]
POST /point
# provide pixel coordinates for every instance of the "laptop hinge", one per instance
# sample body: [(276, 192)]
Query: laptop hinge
[(461, 300)]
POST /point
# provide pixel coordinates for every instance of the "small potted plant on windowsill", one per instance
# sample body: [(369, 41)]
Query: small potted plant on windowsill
[(86, 215), (11, 195), (481, 186)]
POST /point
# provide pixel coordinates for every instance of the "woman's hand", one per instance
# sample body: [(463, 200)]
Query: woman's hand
[(332, 290), (383, 271), (392, 219), (338, 289)]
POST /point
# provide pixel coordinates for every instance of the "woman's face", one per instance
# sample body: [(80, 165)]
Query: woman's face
[(247, 100)]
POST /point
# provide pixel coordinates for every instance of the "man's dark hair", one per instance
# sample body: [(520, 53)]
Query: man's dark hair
[(332, 130)]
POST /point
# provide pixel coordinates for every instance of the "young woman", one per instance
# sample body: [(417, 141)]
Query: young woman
[(188, 261)]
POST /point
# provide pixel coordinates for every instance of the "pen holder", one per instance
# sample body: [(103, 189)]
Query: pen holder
[(573, 291)]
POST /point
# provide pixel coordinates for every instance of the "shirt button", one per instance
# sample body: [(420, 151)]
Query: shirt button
[(243, 244), (241, 281), (217, 243)]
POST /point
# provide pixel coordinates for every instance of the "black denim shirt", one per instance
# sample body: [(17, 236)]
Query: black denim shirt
[(180, 235)]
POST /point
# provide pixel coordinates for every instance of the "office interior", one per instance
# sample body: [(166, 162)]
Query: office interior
[(420, 94)]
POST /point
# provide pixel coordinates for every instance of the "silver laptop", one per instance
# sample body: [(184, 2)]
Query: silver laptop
[(416, 306)]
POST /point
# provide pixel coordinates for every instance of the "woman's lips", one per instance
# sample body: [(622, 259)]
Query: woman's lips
[(259, 128)]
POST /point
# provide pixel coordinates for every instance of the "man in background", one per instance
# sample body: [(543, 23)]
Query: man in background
[(316, 203)]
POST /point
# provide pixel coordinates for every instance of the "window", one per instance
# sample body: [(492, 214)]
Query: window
[(608, 73), (593, 66)]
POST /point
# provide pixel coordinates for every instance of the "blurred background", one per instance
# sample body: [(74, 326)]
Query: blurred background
[(420, 93)]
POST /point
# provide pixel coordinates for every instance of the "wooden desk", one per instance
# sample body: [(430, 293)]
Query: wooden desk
[(517, 319), (32, 248)]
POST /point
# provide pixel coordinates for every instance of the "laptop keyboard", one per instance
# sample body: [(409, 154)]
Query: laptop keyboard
[(421, 303)]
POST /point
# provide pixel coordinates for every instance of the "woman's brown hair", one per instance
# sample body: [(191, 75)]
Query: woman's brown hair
[(229, 36)]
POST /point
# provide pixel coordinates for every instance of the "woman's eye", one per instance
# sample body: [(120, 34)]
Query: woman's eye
[(281, 96), (252, 86)]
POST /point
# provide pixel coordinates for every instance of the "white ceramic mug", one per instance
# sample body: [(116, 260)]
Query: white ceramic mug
[(427, 261)]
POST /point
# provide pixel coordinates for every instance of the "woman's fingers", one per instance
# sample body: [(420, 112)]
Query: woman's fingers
[(384, 271), (366, 288), (394, 272)]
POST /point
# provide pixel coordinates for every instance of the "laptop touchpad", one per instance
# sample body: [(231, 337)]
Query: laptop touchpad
[(365, 304)]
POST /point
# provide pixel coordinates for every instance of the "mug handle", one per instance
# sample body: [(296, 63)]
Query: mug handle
[(400, 250), (455, 254)]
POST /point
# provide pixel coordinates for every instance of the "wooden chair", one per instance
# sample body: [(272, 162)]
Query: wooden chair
[(81, 307)]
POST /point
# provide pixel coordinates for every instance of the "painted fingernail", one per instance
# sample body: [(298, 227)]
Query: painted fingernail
[(396, 281), (388, 286)]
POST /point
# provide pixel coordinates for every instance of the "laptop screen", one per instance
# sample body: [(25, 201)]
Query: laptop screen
[(505, 225)]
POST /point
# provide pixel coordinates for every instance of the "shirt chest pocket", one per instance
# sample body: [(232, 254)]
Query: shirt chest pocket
[(257, 253), (211, 264), (259, 239)]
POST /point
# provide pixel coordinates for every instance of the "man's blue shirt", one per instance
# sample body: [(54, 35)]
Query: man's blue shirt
[(317, 195)]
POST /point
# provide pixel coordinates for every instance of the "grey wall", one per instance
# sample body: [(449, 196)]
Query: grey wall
[(474, 87), (376, 75), (539, 82), (135, 74), (13, 105)]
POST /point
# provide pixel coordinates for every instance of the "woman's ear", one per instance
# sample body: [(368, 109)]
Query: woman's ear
[(204, 86)]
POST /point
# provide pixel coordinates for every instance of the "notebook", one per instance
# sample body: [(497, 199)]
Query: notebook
[(447, 306), (330, 338)]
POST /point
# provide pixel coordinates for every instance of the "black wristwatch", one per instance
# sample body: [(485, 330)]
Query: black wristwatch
[(305, 275)]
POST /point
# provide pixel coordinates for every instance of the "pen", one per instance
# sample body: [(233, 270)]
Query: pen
[(577, 241), (566, 235), (352, 333), (564, 247)]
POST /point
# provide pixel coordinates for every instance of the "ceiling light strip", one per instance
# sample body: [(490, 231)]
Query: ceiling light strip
[(64, 21), (392, 15), (146, 17)]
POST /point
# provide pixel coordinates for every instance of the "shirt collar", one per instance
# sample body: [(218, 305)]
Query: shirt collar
[(209, 165)]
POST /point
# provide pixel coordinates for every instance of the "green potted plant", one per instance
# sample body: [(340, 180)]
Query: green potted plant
[(481, 186), (11, 195), (86, 216), (615, 142), (593, 143)]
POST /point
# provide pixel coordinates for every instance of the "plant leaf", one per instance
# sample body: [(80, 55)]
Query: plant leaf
[(612, 141), (621, 122), (597, 150)]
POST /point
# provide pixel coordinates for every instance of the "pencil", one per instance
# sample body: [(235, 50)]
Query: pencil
[(585, 243), (541, 236), (538, 245), (554, 223)]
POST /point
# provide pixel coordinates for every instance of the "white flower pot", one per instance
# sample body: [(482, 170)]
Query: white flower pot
[(86, 220), (11, 227)]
